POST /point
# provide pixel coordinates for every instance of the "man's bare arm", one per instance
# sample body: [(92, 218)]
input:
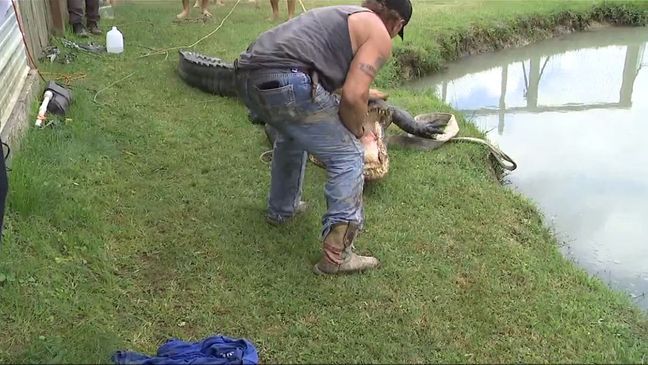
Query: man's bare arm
[(369, 58)]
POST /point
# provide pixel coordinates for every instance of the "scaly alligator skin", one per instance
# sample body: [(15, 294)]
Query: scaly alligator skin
[(209, 74), (215, 76)]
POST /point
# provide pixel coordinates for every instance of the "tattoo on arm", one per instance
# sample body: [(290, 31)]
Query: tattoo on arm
[(371, 70), (368, 69)]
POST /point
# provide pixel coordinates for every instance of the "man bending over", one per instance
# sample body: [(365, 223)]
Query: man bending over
[(287, 76)]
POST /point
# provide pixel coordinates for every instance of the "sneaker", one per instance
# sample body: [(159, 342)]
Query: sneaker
[(277, 221), (79, 30), (94, 29)]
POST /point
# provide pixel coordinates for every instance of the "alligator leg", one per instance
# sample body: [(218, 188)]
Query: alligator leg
[(406, 122)]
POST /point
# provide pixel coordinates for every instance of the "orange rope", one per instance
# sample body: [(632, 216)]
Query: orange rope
[(67, 78)]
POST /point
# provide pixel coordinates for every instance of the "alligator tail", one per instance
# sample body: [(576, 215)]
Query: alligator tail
[(209, 74)]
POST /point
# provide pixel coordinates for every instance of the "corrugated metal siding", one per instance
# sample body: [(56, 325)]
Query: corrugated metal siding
[(13, 64)]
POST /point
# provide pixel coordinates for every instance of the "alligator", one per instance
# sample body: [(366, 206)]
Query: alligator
[(216, 76)]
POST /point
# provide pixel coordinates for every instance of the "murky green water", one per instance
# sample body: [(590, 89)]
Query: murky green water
[(573, 113)]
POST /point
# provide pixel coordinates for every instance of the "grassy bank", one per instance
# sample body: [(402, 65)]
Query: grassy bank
[(141, 218), (483, 26)]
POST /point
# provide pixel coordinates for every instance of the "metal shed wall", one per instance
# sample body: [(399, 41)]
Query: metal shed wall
[(13, 61)]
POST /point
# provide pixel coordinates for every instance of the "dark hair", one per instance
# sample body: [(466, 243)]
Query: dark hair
[(391, 10), (378, 7)]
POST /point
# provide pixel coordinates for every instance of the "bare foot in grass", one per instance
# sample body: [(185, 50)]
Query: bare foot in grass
[(183, 14)]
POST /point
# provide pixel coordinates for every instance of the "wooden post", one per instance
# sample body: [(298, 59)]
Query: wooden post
[(59, 16), (21, 24)]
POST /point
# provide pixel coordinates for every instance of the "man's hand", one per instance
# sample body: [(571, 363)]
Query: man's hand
[(358, 132), (377, 94)]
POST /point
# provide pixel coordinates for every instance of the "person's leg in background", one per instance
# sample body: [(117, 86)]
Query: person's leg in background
[(202, 4), (75, 11), (92, 16), (275, 8), (185, 9), (204, 8), (217, 2)]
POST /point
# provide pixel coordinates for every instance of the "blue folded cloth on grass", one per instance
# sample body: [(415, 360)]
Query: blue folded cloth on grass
[(219, 350)]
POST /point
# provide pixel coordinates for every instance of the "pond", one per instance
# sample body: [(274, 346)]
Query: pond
[(572, 112)]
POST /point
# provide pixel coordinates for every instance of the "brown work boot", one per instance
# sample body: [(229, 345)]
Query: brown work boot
[(79, 30), (94, 29), (338, 256)]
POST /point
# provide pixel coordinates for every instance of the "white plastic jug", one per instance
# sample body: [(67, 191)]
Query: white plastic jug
[(114, 41)]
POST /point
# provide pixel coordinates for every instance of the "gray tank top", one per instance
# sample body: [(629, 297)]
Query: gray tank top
[(318, 39)]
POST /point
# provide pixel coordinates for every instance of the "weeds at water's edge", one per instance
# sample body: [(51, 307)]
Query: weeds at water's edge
[(412, 61)]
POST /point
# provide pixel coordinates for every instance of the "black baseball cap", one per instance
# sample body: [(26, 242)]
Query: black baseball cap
[(403, 8)]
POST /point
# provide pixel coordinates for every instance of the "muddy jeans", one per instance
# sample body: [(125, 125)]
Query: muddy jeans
[(75, 9), (282, 98)]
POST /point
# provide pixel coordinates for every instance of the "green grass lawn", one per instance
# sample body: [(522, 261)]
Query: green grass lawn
[(141, 218)]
